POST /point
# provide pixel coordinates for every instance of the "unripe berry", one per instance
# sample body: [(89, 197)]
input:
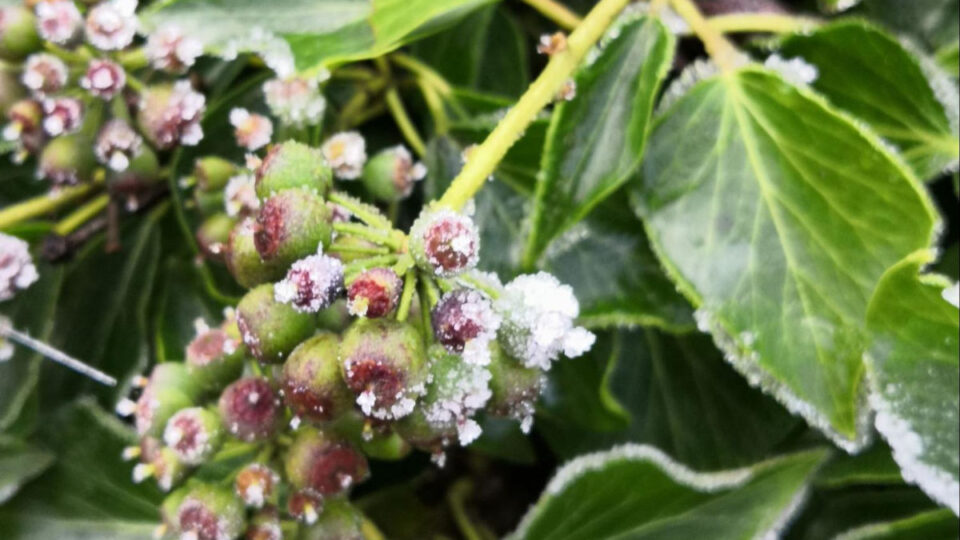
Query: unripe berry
[(168, 512), (515, 388), (18, 33), (464, 322), (141, 173), (335, 318), (163, 464), (243, 261), (293, 165), (322, 464), (104, 79), (312, 283), (444, 242), (194, 434), (291, 225), (264, 525), (384, 363), (250, 409), (215, 356), (340, 520), (374, 293), (68, 160), (210, 512), (212, 173), (390, 174), (312, 385), (169, 389), (213, 235), (271, 329), (256, 484), (11, 90), (305, 506)]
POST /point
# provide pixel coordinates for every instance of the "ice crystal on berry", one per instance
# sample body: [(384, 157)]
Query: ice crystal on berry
[(311, 284), (445, 242), (464, 322)]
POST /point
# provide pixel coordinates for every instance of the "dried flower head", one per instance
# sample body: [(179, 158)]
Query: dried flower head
[(552, 43), (171, 115), (295, 101), (444, 242), (58, 21), (111, 25), (253, 131), (167, 49), (44, 74), (117, 144), (255, 483), (346, 154), (464, 322), (104, 79), (17, 271), (250, 409), (311, 284), (62, 115)]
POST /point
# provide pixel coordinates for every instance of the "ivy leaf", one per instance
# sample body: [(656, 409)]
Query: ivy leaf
[(88, 493), (948, 58), (934, 22), (19, 462), (595, 142), (912, 368), (924, 526), (292, 34), (638, 491), (753, 204), (866, 72), (873, 466)]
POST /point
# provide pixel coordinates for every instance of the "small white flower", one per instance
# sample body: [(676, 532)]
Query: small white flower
[(253, 131), (169, 50), (44, 74), (240, 195), (62, 115), (58, 21), (174, 116), (117, 144), (346, 154), (111, 25), (295, 101), (17, 271), (104, 79)]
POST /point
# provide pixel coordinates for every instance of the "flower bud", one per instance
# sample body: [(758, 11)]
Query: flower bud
[(312, 283), (340, 520), (213, 172), (256, 484), (390, 174), (384, 363), (243, 261), (111, 25), (170, 115), (17, 271), (240, 196), (295, 101), (271, 329), (346, 154), (305, 506), (167, 49), (194, 434), (210, 512), (250, 409), (515, 388), (290, 165), (312, 385), (59, 21), (264, 525), (44, 74), (68, 160), (213, 236), (62, 115), (374, 293), (252, 131), (104, 79), (291, 225), (18, 33), (322, 464), (444, 242), (117, 144), (464, 322)]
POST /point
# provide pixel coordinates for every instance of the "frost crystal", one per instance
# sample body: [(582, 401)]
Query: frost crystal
[(240, 196), (346, 154), (117, 144), (796, 71), (952, 295), (274, 50), (464, 322), (58, 21), (112, 25), (311, 284), (175, 117), (538, 313), (445, 242), (17, 271), (61, 115), (104, 79), (253, 131), (460, 393), (44, 74), (296, 101), (169, 50)]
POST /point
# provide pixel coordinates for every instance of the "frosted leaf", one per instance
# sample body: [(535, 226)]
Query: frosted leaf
[(794, 70), (952, 295)]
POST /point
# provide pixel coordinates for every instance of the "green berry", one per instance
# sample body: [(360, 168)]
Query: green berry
[(169, 389), (390, 174), (271, 329), (243, 261), (212, 173), (18, 33), (213, 235), (340, 520), (311, 381), (250, 409), (291, 225), (293, 165), (215, 356), (335, 318), (515, 388), (68, 160), (194, 434), (211, 512), (324, 464), (11, 91)]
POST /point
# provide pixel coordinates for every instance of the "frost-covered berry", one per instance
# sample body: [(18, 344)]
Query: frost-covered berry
[(111, 25), (264, 525), (324, 465), (104, 79), (253, 131), (444, 242), (312, 385), (295, 101), (215, 355), (292, 224), (515, 388), (255, 484), (311, 284), (390, 175), (61, 115), (384, 363), (243, 261), (18, 33), (170, 115), (464, 322), (456, 391), (305, 506), (374, 293), (58, 21), (117, 144), (17, 271), (240, 196), (194, 434), (250, 409), (67, 160), (44, 74), (346, 153), (538, 313), (271, 329), (167, 49), (291, 165), (210, 512)]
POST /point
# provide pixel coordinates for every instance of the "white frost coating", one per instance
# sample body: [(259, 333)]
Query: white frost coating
[(952, 295), (346, 152), (366, 400), (311, 284), (17, 271), (697, 71), (252, 131), (274, 50), (169, 50), (705, 482), (796, 71), (112, 25), (295, 101)]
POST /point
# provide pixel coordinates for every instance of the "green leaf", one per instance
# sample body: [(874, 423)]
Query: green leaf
[(866, 72), (912, 368), (752, 201), (595, 142), (937, 524), (19, 463), (948, 58), (639, 492), (88, 493), (674, 392), (835, 6), (486, 51), (933, 22), (308, 35), (873, 466), (179, 302)]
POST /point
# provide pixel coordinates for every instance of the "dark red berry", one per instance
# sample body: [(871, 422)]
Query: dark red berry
[(444, 242), (250, 409), (374, 293), (291, 225), (324, 465), (465, 317), (311, 381)]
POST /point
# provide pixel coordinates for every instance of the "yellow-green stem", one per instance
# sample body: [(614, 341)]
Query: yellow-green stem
[(406, 298), (383, 238), (720, 50), (485, 158), (45, 204), (81, 215), (762, 22), (366, 213), (400, 116), (556, 12), (423, 71), (441, 123)]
